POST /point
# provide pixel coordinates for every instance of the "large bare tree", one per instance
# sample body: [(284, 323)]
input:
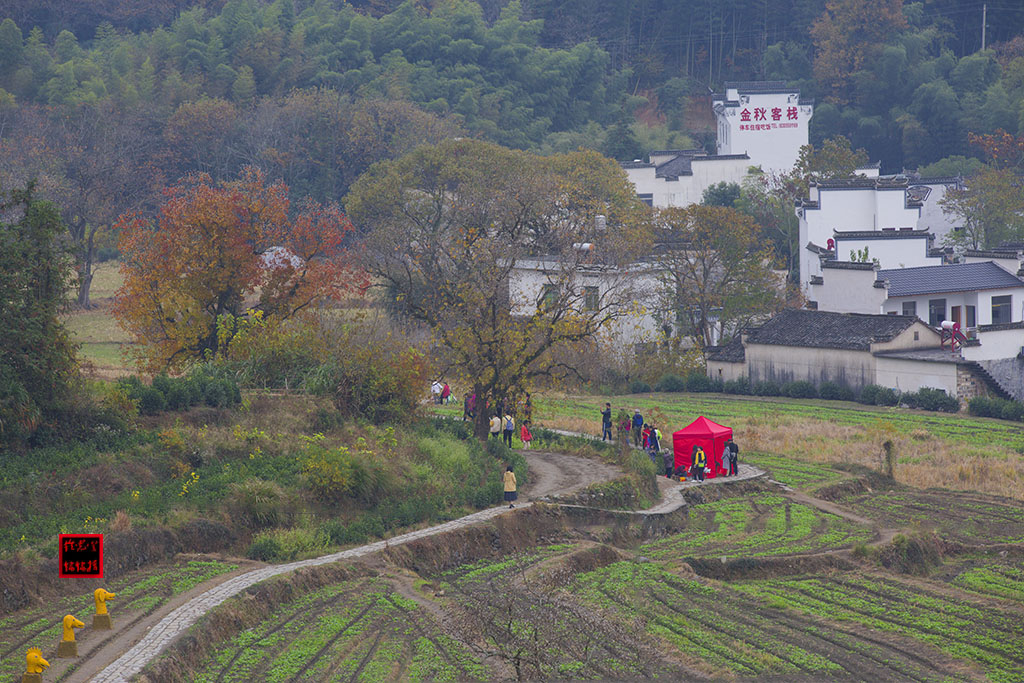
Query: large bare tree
[(487, 246)]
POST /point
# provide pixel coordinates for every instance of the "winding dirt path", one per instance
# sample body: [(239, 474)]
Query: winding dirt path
[(127, 653), (121, 657)]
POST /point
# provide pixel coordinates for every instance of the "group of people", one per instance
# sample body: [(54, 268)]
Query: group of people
[(647, 436), (505, 426), (441, 392)]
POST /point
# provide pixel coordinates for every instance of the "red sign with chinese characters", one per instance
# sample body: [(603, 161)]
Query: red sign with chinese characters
[(80, 556), (763, 113)]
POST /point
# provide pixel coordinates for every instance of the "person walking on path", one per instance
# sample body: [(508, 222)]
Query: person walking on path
[(495, 426), (510, 486), (726, 458), (670, 463), (700, 460), (734, 456), (638, 424), (446, 392), (435, 391), (606, 422), (524, 434), (510, 426), (653, 448)]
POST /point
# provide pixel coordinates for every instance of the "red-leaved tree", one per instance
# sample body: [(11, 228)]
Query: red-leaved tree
[(220, 249)]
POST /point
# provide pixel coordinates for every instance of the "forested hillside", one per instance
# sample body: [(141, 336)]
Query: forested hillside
[(106, 103)]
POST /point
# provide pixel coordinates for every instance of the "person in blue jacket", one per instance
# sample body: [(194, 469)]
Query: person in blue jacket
[(638, 424)]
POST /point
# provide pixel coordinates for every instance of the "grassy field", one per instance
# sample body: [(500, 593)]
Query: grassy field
[(102, 341), (932, 449)]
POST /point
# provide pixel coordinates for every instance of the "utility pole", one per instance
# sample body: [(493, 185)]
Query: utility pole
[(984, 20)]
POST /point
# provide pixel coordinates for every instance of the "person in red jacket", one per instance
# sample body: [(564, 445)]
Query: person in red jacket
[(525, 435)]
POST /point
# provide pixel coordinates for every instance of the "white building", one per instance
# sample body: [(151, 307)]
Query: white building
[(635, 294), (852, 350), (985, 296), (768, 121), (892, 207), (679, 177)]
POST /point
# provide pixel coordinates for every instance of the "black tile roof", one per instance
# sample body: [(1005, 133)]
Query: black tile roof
[(759, 86), (981, 253), (673, 168), (847, 265), (827, 330), (956, 277), (881, 234), (733, 352)]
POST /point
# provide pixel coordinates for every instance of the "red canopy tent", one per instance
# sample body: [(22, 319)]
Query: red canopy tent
[(706, 434)]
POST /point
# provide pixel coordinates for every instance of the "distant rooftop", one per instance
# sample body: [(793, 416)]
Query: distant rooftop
[(957, 277), (828, 330)]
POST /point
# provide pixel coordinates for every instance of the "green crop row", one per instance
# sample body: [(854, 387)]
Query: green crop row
[(996, 580), (727, 528), (965, 631), (355, 628), (690, 615)]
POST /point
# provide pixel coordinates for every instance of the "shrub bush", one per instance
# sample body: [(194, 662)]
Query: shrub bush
[(670, 383), (740, 385), (886, 397), (1012, 410), (639, 387), (698, 382), (264, 549), (258, 504), (868, 394), (151, 401), (767, 388), (799, 389), (835, 392), (382, 384), (931, 399), (982, 406)]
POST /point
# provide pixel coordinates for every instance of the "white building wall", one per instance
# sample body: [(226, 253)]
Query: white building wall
[(910, 375), (932, 217), (769, 127), (726, 371), (687, 189), (792, 363), (895, 304), (996, 344), (638, 325), (890, 253), (848, 291)]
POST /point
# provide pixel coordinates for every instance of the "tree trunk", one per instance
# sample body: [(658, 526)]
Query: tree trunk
[(85, 280), (482, 421)]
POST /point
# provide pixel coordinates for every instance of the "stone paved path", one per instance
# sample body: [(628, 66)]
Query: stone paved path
[(175, 623)]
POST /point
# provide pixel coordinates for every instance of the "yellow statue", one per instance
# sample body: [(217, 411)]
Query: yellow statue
[(70, 624), (102, 596), (68, 647), (101, 620), (34, 662)]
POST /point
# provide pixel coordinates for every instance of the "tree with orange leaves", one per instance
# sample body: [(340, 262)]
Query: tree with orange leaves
[(220, 249)]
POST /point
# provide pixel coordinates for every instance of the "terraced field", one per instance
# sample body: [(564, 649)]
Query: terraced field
[(990, 635), (742, 630), (967, 518), (137, 596), (356, 630), (764, 524)]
